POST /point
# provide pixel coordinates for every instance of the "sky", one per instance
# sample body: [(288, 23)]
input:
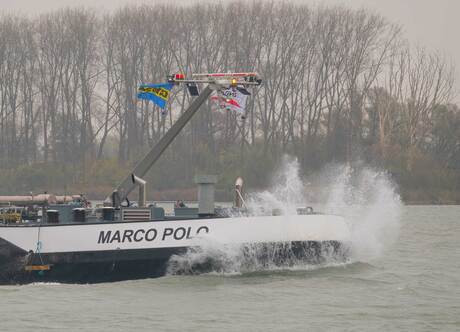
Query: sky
[(434, 24)]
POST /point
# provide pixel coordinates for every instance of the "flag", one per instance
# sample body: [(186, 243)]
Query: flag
[(231, 99), (158, 93)]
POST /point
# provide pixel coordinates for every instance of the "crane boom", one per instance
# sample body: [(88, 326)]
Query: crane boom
[(214, 81), (127, 185)]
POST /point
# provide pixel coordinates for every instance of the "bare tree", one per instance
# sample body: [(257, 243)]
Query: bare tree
[(335, 80)]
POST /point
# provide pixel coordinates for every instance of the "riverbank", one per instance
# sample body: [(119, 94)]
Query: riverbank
[(99, 178), (99, 193)]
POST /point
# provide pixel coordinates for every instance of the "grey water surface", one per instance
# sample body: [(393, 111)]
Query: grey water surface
[(413, 286)]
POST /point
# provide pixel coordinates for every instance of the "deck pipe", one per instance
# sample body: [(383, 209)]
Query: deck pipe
[(142, 189)]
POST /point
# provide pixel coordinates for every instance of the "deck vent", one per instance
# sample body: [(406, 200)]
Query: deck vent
[(52, 216), (79, 215), (108, 213), (136, 214)]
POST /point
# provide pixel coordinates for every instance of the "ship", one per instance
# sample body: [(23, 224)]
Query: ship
[(48, 238)]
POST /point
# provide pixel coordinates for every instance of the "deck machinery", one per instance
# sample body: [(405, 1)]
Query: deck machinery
[(69, 242)]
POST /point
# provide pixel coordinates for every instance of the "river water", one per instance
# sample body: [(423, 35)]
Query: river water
[(413, 285)]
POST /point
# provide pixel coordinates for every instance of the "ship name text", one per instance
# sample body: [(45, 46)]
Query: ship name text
[(149, 235)]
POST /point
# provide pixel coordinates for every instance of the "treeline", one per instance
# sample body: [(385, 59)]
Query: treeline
[(339, 85)]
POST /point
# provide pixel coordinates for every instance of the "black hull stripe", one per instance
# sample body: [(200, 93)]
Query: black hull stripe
[(116, 265)]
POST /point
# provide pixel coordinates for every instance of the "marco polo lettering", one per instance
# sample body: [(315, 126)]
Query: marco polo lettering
[(149, 235)]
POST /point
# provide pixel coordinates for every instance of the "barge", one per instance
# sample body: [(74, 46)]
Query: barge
[(61, 239)]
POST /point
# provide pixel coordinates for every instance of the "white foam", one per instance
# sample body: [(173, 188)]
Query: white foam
[(46, 284), (369, 201), (367, 198), (214, 258), (286, 193)]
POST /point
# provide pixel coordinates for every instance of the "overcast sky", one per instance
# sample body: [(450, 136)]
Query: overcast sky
[(431, 23)]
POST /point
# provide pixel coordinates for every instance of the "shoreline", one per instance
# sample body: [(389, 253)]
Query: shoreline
[(451, 198)]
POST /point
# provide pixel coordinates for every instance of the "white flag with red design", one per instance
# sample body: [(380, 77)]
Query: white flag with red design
[(231, 100)]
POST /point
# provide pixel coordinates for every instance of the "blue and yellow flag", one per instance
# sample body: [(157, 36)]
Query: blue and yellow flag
[(158, 93)]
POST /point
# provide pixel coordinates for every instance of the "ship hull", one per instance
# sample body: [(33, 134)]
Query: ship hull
[(111, 266), (87, 267), (124, 251)]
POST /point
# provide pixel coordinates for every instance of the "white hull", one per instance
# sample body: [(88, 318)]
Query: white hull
[(177, 233)]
